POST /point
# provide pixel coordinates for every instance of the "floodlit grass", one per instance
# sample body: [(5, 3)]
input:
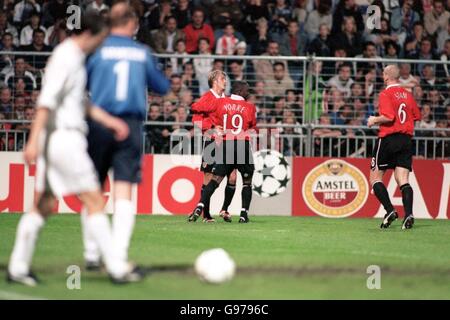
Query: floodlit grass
[(277, 258)]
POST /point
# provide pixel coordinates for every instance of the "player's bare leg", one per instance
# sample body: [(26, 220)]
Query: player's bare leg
[(230, 189), (402, 177), (26, 237), (380, 191)]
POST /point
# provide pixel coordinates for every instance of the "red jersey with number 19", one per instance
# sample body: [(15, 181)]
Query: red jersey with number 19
[(399, 105)]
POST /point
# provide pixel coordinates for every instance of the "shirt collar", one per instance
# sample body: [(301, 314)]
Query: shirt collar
[(236, 97), (393, 85), (216, 95)]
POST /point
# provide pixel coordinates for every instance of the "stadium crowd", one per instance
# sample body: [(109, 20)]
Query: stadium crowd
[(333, 92)]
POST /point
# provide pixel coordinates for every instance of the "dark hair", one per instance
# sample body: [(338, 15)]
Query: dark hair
[(167, 18), (203, 38), (279, 64), (91, 22), (38, 31), (345, 64), (240, 88), (368, 43)]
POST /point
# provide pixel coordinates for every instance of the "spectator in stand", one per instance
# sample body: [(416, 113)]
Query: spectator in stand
[(436, 100), (425, 53), (165, 39), (53, 11), (21, 73), (178, 63), (299, 12), (403, 19), (19, 107), (291, 141), (279, 106), (345, 9), (226, 44), (224, 12), (407, 80), (203, 66), (36, 63), (97, 5), (321, 45), (443, 70), (412, 42), (342, 81), (186, 98), (428, 80), (293, 42), (369, 52), (188, 79), (323, 142), (6, 107), (318, 17), (381, 36), (264, 68), (391, 50), (427, 121), (259, 41), (280, 14), (6, 61), (182, 13), (262, 100), (442, 37), (175, 88), (57, 33), (196, 30), (281, 81), (348, 38), (155, 141), (436, 20), (237, 72), (24, 9), (253, 11), (6, 27), (26, 35), (157, 16), (442, 146), (419, 94)]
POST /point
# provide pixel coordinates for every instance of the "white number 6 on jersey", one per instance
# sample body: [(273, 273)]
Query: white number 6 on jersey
[(402, 113)]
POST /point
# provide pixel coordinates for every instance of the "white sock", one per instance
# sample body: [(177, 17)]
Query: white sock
[(123, 224), (26, 237), (91, 250), (99, 227)]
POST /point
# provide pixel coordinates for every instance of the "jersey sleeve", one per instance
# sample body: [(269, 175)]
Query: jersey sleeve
[(55, 77), (205, 105), (155, 78), (385, 106)]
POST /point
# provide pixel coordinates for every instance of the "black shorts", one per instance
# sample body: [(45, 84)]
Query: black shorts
[(395, 150), (234, 154), (124, 157), (208, 154)]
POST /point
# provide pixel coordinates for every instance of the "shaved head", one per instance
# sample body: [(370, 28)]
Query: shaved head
[(391, 72)]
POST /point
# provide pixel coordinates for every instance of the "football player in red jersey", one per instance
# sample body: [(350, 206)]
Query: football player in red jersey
[(237, 118), (217, 82), (394, 150)]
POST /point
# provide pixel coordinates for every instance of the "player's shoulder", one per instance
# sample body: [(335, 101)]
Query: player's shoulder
[(67, 54)]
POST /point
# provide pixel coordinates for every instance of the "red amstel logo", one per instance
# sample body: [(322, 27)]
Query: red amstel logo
[(335, 189)]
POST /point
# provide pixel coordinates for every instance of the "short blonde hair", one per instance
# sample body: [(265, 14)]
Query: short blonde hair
[(392, 71), (214, 75)]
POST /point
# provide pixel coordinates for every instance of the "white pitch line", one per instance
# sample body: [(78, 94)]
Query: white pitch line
[(8, 295)]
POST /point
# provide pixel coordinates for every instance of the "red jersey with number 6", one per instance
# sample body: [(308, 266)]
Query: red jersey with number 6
[(399, 105)]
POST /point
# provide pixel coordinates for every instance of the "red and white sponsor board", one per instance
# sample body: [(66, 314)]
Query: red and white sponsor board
[(319, 187)]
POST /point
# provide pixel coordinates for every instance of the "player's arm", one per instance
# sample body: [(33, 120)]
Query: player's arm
[(387, 113), (117, 125), (417, 115), (32, 148), (156, 79)]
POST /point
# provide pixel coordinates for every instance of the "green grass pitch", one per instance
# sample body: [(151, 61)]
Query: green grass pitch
[(277, 258)]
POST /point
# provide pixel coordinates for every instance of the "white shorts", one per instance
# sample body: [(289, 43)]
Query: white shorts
[(66, 168)]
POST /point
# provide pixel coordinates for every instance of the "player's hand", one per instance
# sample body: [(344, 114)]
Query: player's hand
[(120, 128), (30, 153), (371, 121)]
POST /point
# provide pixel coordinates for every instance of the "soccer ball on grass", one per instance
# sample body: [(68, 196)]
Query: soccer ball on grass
[(215, 266)]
